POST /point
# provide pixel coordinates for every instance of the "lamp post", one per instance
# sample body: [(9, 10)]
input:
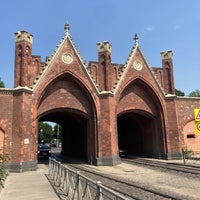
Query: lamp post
[(41, 131), (57, 136)]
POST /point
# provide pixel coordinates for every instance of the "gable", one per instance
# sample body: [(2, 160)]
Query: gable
[(65, 59), (136, 67)]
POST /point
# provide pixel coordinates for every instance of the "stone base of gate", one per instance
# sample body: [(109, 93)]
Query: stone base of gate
[(21, 167), (108, 161), (174, 156)]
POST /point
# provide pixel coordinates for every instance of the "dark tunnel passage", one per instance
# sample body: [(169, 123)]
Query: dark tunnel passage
[(129, 135), (74, 137), (135, 134), (74, 131)]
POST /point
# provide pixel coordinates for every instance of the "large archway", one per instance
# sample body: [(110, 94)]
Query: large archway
[(67, 102), (140, 121), (75, 132)]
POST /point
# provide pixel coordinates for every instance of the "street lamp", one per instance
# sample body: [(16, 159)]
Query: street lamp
[(41, 131), (57, 136)]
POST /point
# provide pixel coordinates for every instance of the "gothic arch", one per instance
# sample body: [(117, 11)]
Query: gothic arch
[(142, 90), (141, 121), (68, 83), (68, 102)]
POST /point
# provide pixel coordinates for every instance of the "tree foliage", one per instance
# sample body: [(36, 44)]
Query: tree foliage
[(2, 85), (45, 133), (179, 93), (195, 93), (49, 134), (3, 173)]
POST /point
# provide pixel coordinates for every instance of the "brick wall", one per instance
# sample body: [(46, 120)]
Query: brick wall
[(6, 119), (185, 115)]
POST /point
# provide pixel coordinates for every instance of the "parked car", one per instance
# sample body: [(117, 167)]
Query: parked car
[(44, 151), (53, 145), (48, 144), (123, 153)]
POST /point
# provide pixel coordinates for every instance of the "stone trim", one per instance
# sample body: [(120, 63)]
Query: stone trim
[(108, 161), (21, 167), (6, 91)]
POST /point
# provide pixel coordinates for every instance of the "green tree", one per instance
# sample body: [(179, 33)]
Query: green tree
[(3, 173), (2, 85), (179, 93), (45, 132), (195, 93)]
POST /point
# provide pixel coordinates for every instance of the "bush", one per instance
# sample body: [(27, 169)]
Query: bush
[(188, 152), (3, 173)]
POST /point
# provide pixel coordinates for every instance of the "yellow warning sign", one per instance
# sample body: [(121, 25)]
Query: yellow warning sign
[(197, 127), (197, 115)]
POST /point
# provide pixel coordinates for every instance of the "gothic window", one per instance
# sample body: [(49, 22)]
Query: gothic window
[(19, 50), (27, 50), (168, 77), (103, 58), (94, 72)]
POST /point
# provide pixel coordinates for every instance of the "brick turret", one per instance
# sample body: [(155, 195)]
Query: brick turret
[(23, 57), (168, 77), (104, 67)]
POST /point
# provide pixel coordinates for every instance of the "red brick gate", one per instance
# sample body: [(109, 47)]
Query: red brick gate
[(101, 106)]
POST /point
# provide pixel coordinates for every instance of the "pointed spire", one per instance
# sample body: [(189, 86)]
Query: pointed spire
[(136, 38), (67, 28)]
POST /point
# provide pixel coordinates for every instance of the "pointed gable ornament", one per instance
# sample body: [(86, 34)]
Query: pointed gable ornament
[(136, 38), (67, 28)]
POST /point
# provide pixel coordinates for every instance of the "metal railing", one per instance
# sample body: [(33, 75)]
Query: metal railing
[(79, 187)]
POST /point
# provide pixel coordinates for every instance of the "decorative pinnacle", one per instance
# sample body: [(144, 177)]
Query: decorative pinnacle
[(136, 38), (67, 27)]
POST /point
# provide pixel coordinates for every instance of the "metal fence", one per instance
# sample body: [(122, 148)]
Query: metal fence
[(77, 186)]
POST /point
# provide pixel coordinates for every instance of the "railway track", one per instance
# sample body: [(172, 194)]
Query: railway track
[(177, 167), (130, 189)]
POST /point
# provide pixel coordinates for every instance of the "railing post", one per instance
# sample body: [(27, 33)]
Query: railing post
[(67, 181), (99, 191), (59, 173), (183, 154), (78, 186), (49, 166)]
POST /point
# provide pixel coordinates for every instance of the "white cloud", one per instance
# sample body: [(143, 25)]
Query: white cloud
[(149, 28)]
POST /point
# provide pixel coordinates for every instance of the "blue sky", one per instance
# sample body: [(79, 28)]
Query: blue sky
[(160, 25)]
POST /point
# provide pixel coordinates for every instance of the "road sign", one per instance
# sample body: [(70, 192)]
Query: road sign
[(197, 127), (197, 114), (197, 120)]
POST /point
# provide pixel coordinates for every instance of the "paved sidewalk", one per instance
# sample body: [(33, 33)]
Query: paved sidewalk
[(32, 185)]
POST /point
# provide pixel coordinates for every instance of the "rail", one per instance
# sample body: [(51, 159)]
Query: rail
[(79, 187)]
